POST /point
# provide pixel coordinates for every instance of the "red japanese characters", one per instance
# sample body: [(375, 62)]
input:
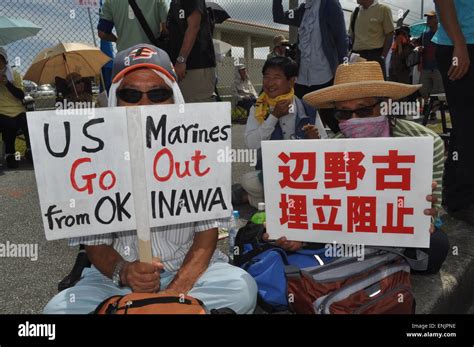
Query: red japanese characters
[(299, 171)]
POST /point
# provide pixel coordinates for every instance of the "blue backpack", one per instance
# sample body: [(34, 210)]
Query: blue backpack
[(266, 263)]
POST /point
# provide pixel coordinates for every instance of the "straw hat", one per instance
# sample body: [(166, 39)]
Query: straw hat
[(431, 13), (358, 81)]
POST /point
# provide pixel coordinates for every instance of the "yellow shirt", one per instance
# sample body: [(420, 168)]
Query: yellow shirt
[(9, 105), (371, 27)]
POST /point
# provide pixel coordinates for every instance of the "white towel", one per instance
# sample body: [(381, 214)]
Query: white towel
[(177, 95)]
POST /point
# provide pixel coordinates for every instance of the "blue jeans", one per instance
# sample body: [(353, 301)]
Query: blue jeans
[(222, 285)]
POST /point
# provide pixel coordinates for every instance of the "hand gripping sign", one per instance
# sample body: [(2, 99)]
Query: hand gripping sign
[(131, 168), (353, 191)]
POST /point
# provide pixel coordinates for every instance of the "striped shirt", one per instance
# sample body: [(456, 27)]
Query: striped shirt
[(170, 243), (404, 128)]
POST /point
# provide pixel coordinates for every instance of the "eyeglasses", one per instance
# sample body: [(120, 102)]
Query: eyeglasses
[(363, 112), (133, 96)]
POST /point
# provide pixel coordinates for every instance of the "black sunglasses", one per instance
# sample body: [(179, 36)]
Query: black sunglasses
[(133, 96), (363, 112)]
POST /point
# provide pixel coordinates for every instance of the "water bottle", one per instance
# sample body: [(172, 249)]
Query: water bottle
[(233, 229), (259, 217)]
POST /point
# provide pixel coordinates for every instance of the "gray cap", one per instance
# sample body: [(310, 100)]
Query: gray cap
[(140, 56)]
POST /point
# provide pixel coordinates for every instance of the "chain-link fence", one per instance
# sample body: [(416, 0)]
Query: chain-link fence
[(250, 31), (60, 21)]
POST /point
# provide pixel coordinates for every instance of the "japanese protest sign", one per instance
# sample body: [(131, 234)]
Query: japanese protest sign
[(84, 174), (349, 191)]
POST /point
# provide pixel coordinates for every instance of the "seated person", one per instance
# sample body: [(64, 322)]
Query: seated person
[(358, 107), (277, 115), (74, 88), (244, 93), (189, 262)]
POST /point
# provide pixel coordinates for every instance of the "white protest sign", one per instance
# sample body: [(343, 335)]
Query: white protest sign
[(84, 174), (349, 191), (185, 179)]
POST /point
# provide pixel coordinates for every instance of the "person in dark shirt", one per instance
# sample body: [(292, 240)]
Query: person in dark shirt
[(401, 49), (191, 49)]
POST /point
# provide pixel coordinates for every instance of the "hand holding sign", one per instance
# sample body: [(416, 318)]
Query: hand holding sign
[(142, 277), (311, 132)]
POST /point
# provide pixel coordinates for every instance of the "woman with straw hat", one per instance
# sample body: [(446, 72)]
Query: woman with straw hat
[(358, 97)]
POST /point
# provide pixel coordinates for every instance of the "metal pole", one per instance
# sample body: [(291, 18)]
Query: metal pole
[(293, 30), (102, 80), (92, 26), (422, 9)]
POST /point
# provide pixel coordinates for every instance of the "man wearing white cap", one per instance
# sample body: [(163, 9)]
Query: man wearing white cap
[(188, 260), (244, 93)]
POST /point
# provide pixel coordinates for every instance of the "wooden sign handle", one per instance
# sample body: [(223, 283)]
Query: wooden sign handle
[(137, 164)]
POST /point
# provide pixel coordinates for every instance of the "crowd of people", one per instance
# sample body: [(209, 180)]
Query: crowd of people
[(333, 88)]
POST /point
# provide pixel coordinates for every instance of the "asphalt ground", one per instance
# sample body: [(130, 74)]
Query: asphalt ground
[(26, 285)]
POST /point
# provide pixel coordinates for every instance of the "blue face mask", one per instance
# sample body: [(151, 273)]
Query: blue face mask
[(356, 128)]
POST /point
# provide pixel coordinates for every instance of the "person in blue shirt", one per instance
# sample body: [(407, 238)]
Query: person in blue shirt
[(454, 53)]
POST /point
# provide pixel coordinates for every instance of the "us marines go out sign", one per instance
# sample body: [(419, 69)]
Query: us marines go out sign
[(83, 167)]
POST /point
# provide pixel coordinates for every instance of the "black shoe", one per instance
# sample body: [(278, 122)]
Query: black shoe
[(465, 215), (12, 163), (82, 261)]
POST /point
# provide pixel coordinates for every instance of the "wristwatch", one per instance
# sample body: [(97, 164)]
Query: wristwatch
[(117, 271), (181, 60)]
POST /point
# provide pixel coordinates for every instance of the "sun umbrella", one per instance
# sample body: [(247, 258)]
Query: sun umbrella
[(221, 47), (63, 59), (220, 15), (418, 28), (14, 29)]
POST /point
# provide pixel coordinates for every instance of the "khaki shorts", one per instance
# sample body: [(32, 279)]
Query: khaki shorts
[(199, 85)]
